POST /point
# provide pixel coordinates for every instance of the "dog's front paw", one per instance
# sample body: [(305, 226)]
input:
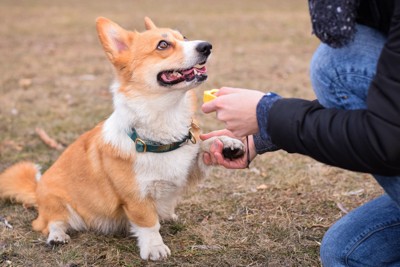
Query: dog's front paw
[(174, 217), (154, 252), (58, 238), (57, 234), (150, 242), (233, 148)]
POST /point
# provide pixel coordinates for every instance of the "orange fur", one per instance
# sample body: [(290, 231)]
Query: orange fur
[(102, 186), (18, 183)]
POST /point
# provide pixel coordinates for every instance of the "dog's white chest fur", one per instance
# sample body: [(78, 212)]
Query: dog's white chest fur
[(164, 176), (169, 168), (160, 175)]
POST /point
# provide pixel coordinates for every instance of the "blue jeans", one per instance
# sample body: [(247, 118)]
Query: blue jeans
[(370, 234)]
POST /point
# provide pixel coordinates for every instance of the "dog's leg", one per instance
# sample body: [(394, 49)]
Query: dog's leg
[(233, 148), (165, 195), (56, 228), (53, 219), (166, 207), (57, 233), (150, 242), (145, 226)]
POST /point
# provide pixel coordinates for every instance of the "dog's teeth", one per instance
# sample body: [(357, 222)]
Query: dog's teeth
[(177, 74), (195, 71)]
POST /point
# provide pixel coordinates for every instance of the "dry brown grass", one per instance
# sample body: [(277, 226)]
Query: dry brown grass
[(54, 75)]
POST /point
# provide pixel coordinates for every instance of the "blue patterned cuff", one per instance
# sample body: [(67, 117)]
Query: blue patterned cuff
[(262, 140)]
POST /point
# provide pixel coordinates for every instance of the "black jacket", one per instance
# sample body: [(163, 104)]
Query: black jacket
[(360, 140)]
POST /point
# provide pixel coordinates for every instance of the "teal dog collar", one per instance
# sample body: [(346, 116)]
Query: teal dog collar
[(156, 147)]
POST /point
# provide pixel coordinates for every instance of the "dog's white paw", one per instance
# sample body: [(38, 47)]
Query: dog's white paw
[(174, 217), (154, 252), (231, 143), (150, 242), (57, 235), (233, 148), (58, 238)]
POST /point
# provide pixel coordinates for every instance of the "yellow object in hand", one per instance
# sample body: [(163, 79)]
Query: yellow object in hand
[(209, 95)]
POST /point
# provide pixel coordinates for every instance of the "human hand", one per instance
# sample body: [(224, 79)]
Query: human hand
[(216, 157), (237, 109)]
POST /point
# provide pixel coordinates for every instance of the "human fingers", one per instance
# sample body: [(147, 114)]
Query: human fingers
[(216, 133), (239, 163), (226, 91), (217, 157), (216, 151), (212, 105), (207, 159), (231, 90), (209, 107)]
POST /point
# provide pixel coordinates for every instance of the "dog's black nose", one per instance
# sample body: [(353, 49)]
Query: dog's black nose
[(204, 48)]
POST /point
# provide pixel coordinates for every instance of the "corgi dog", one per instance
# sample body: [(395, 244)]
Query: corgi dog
[(128, 172)]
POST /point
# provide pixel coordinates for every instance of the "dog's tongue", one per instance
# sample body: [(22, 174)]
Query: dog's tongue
[(202, 70), (198, 70), (188, 74), (188, 71)]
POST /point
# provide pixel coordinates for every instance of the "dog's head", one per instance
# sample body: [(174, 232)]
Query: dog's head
[(156, 59)]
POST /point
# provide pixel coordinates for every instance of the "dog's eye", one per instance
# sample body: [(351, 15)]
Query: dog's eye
[(163, 45)]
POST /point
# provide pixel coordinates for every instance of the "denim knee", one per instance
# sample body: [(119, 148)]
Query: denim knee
[(331, 251), (341, 77), (367, 236)]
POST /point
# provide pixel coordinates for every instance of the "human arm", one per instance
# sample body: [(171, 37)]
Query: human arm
[(360, 140)]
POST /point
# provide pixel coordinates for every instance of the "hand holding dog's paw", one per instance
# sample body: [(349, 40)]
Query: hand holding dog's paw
[(231, 148), (225, 151)]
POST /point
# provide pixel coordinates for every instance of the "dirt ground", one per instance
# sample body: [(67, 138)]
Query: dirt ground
[(54, 75)]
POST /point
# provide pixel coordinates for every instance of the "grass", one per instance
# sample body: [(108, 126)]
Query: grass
[(54, 75)]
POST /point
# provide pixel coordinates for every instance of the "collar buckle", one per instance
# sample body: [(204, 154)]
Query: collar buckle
[(191, 137), (141, 145)]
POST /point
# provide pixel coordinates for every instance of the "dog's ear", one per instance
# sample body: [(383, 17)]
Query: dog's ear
[(114, 38), (149, 24)]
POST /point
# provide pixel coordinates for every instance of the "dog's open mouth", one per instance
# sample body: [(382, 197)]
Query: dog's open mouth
[(171, 77)]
